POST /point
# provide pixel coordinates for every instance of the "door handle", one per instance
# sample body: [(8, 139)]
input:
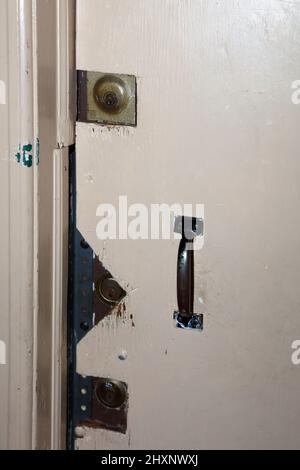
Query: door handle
[(189, 228)]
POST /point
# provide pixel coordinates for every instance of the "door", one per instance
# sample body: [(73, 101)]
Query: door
[(217, 127)]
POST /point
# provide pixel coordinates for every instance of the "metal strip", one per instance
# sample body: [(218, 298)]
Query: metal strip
[(85, 309)]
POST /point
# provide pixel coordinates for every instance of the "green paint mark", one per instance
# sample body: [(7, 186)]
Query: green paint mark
[(27, 160), (27, 148), (26, 156), (18, 154)]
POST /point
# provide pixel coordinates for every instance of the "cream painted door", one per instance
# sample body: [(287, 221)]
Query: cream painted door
[(218, 125)]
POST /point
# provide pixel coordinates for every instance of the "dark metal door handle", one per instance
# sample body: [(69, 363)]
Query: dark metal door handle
[(189, 228), (185, 278)]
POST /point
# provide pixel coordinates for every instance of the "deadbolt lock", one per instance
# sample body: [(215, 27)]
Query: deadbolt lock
[(111, 94), (111, 393), (107, 98), (109, 290)]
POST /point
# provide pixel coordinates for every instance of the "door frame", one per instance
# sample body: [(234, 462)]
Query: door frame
[(55, 23), (38, 129)]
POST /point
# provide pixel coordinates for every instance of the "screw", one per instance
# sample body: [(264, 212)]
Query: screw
[(123, 355), (84, 244), (84, 325)]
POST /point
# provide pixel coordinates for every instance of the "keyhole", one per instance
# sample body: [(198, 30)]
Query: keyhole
[(110, 100)]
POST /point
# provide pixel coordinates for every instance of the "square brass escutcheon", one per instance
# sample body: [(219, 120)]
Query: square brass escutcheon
[(107, 98)]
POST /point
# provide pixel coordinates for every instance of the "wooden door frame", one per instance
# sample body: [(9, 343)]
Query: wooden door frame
[(57, 108), (38, 129)]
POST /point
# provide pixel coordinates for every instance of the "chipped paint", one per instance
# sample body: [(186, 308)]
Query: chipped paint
[(121, 311), (2, 92), (107, 133)]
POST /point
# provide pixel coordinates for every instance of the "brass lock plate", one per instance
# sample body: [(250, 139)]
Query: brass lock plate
[(107, 98)]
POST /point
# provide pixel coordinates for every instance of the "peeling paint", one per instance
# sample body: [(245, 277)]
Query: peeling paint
[(121, 311), (132, 322), (107, 133)]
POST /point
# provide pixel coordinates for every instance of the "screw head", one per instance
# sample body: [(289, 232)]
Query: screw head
[(84, 244), (84, 326), (123, 355)]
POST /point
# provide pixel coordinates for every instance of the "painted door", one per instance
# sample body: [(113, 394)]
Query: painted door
[(217, 125)]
